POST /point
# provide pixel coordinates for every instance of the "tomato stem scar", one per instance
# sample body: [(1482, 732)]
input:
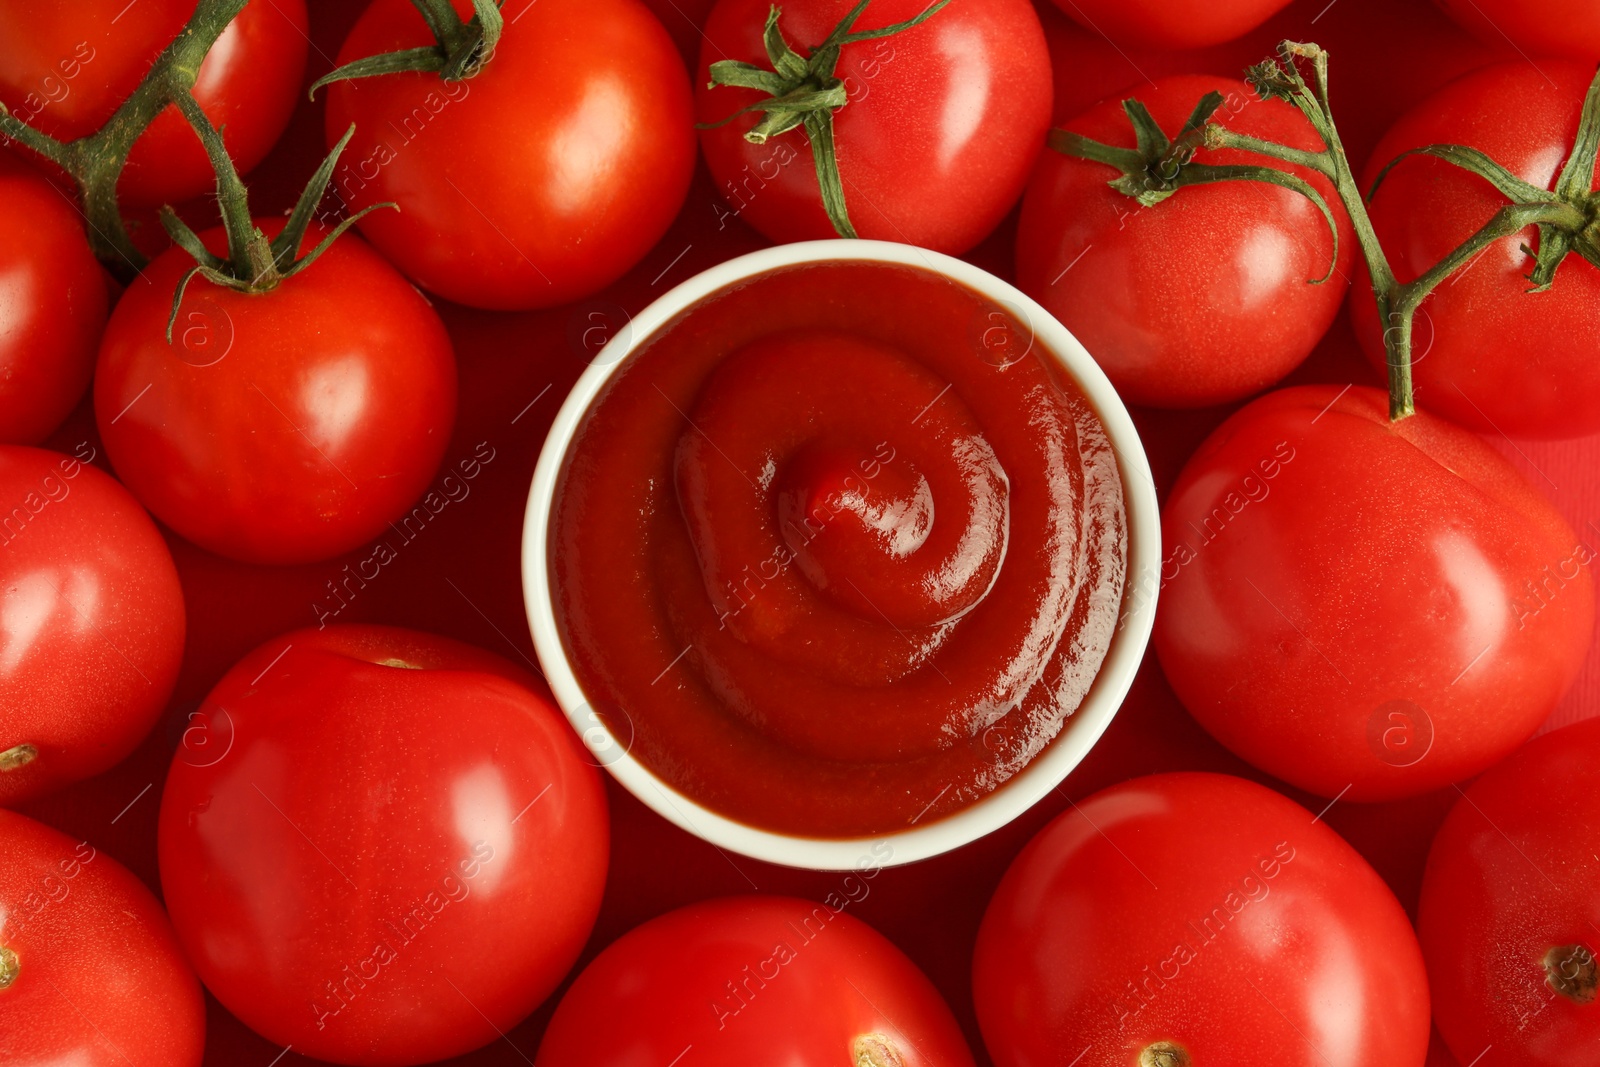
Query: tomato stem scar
[(18, 756)]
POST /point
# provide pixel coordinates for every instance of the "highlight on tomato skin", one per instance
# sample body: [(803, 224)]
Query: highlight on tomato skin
[(363, 819), (1187, 919), (1366, 609), (90, 972)]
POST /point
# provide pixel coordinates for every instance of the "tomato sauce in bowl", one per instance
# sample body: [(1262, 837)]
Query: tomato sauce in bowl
[(839, 549)]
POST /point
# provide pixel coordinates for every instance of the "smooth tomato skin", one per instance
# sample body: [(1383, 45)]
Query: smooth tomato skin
[(101, 981), (539, 180), (337, 780), (282, 427), (53, 306), (753, 979), (1492, 355), (1351, 605), (935, 145), (1203, 298), (1171, 24), (1511, 875), (1104, 937), (1534, 27), (66, 65), (91, 619)]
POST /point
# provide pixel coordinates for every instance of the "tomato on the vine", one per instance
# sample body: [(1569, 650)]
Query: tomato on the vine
[(1208, 296), (53, 304), (942, 124), (284, 426), (1533, 27), (1184, 920), (1171, 24), (538, 179), (90, 972), (1366, 608), (91, 621), (1509, 917), (756, 980), (65, 67)]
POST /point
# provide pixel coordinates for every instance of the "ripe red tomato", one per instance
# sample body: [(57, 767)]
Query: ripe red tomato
[(66, 65), (280, 427), (1492, 355), (1171, 23), (53, 305), (91, 621), (381, 846), (1354, 605), (1203, 298), (1509, 918), (90, 974), (1533, 27), (748, 980), (1181, 920), (934, 146), (540, 179)]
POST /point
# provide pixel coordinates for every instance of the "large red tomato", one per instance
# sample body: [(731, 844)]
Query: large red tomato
[(66, 65), (1185, 920), (1351, 604), (381, 846), (1170, 23), (52, 306), (1490, 354), (943, 122), (756, 980), (541, 178), (1205, 297), (1533, 27), (91, 621), (90, 974), (1510, 915), (278, 427)]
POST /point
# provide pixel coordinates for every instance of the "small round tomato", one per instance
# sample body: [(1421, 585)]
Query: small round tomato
[(284, 426), (1509, 918), (1171, 23), (1209, 296), (381, 846), (53, 305), (67, 65), (1533, 27), (90, 972), (1489, 354), (91, 621), (1185, 920), (934, 145), (755, 980), (1361, 607), (537, 180)]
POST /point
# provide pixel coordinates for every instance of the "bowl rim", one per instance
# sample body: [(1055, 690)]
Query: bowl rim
[(1024, 789)]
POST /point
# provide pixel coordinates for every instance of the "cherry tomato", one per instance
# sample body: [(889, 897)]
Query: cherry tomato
[(280, 427), (538, 180), (1181, 920), (91, 621), (67, 65), (52, 306), (1205, 297), (381, 846), (1365, 608), (1533, 27), (1488, 353), (1509, 918), (90, 973), (934, 146), (756, 979), (1171, 23)]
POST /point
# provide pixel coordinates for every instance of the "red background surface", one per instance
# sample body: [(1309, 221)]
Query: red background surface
[(461, 576)]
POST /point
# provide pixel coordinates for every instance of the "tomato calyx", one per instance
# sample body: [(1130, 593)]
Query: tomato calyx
[(874, 1050), (1164, 1054), (1572, 971), (460, 51), (17, 756), (805, 92), (9, 966)]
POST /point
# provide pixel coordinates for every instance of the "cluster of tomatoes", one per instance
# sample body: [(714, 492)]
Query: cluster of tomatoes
[(375, 845)]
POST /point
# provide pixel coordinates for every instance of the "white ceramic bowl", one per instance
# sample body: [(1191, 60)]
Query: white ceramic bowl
[(1023, 790)]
